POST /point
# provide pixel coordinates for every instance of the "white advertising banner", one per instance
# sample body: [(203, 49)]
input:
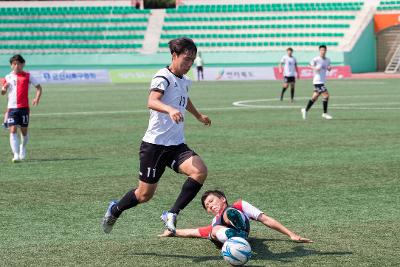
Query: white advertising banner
[(71, 76), (238, 73)]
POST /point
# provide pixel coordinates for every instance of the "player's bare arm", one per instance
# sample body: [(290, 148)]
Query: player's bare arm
[(154, 102), (38, 95), (199, 116), (280, 67), (4, 88), (277, 226), (192, 233)]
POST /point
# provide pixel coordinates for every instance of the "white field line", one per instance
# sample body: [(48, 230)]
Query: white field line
[(239, 105)]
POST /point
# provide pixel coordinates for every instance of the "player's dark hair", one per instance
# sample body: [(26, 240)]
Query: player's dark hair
[(182, 45), (322, 46), (217, 193), (289, 49), (18, 58)]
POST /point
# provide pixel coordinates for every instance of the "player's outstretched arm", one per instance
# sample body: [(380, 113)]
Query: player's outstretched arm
[(154, 102), (193, 233), (277, 226), (199, 116), (38, 95)]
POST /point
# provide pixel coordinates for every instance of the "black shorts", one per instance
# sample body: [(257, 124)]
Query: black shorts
[(18, 117), (200, 68), (320, 88), (288, 79), (154, 159)]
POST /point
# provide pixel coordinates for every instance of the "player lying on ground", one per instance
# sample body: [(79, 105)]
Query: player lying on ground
[(163, 144), (231, 221), (320, 65), (289, 71), (16, 86)]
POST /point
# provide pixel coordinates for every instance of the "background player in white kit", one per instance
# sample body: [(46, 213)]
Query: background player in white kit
[(320, 65), (16, 86), (199, 67), (163, 144), (289, 71)]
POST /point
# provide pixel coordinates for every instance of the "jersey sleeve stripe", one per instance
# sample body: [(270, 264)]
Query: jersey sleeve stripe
[(165, 78)]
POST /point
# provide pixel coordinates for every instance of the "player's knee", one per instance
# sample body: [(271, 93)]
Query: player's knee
[(200, 174)]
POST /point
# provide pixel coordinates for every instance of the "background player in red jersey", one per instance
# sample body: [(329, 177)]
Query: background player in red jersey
[(16, 87), (231, 220)]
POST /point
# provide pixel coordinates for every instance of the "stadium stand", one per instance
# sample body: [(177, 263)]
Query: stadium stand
[(228, 32), (85, 29), (260, 26), (389, 5)]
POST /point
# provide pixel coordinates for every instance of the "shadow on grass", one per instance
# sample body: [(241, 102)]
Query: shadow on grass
[(60, 159), (260, 252)]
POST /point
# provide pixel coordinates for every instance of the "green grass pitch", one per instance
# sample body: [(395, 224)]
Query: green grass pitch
[(336, 182)]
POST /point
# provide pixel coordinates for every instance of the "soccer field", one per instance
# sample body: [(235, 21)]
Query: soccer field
[(336, 182)]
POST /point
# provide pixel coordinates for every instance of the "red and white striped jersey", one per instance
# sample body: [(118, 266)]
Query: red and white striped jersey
[(246, 208), (18, 89)]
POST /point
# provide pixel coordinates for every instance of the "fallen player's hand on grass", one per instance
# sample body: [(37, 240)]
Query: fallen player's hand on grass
[(166, 234), (299, 239)]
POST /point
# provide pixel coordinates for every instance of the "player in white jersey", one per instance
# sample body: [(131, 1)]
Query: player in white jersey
[(199, 67), (163, 144), (231, 220), (289, 71), (16, 86), (320, 65)]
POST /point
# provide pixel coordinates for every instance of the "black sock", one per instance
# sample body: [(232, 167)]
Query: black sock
[(292, 93), (309, 105), (325, 105), (283, 92), (128, 201), (189, 190)]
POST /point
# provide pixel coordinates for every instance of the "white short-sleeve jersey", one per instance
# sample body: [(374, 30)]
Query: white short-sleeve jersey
[(199, 62), (322, 64), (162, 130), (289, 68)]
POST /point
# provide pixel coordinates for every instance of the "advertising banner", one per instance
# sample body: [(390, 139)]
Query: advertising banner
[(383, 21), (337, 72), (238, 73), (71, 76), (135, 75)]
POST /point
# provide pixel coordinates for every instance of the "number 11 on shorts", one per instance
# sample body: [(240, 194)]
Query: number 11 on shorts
[(149, 172)]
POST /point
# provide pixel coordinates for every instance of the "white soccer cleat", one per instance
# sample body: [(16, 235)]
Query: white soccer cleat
[(16, 158), (22, 152), (326, 116), (169, 220), (304, 113), (109, 220)]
